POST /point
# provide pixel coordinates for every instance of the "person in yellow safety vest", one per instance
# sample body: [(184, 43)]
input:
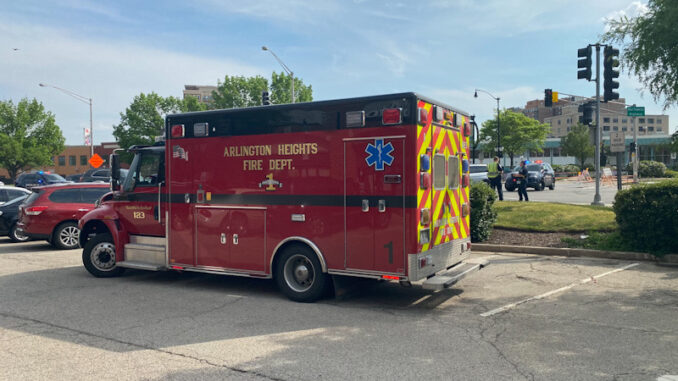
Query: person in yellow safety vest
[(494, 171)]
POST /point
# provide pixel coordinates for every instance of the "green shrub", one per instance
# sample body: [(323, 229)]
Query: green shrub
[(671, 174), (557, 167), (648, 168), (647, 216), (571, 168), (483, 214)]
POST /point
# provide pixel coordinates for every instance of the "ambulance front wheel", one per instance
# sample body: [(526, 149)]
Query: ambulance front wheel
[(98, 256), (299, 275)]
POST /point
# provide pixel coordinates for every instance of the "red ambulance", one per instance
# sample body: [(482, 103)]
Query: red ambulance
[(373, 187)]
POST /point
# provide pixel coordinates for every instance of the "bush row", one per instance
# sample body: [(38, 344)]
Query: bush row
[(648, 168), (647, 216), (483, 214)]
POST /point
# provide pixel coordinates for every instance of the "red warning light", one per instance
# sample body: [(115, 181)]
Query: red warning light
[(391, 116), (178, 131)]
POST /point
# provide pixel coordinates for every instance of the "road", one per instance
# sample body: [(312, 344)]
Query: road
[(569, 192), (523, 317)]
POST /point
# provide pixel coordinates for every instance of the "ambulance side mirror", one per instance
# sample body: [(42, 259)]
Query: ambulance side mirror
[(115, 172)]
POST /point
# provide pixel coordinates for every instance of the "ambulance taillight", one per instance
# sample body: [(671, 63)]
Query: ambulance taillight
[(391, 116)]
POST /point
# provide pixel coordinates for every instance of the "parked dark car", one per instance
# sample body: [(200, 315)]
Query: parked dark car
[(9, 216), (29, 180), (52, 212), (100, 174), (74, 178), (10, 193), (540, 176)]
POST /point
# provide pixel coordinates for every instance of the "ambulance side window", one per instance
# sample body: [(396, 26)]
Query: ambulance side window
[(439, 172), (453, 164), (146, 171)]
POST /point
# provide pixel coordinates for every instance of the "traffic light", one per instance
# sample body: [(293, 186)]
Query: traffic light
[(632, 147), (584, 63), (587, 112), (610, 65), (548, 97), (265, 99)]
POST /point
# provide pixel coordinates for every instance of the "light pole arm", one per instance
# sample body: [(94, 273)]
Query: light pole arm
[(287, 69), (83, 100)]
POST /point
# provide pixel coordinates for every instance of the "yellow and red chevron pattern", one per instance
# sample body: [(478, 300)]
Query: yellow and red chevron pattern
[(445, 204)]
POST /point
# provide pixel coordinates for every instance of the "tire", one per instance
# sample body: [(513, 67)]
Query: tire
[(98, 256), (553, 185), (66, 236), (509, 189), (17, 235), (540, 187), (299, 276)]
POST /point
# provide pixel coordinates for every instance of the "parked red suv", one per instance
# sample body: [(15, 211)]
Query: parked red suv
[(53, 211)]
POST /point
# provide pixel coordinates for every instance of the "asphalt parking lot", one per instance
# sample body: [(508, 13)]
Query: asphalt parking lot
[(523, 317), (569, 192)]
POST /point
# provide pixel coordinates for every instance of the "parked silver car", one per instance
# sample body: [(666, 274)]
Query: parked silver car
[(478, 173)]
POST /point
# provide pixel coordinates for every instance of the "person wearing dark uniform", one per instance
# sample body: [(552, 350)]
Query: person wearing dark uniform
[(494, 171), (522, 181)]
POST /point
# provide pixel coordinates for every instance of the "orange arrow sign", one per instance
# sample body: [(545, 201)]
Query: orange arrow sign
[(96, 160)]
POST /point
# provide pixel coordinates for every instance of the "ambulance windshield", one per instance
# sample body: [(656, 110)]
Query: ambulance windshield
[(146, 170)]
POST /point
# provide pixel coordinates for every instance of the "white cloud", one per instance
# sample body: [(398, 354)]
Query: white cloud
[(632, 10), (111, 72)]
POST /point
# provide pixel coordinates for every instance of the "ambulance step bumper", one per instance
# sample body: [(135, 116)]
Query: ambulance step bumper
[(454, 275), (140, 265)]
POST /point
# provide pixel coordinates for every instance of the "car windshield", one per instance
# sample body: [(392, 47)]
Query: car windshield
[(478, 168), (534, 167), (54, 177)]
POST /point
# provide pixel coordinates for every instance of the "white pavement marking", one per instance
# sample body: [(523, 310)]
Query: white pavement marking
[(547, 294)]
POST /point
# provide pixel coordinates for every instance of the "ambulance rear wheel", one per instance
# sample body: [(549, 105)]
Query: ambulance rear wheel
[(299, 275), (98, 256)]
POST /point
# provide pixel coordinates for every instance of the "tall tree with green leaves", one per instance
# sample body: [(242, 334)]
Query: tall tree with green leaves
[(650, 48), (239, 91), (144, 119), (281, 89), (518, 133), (29, 137), (578, 144)]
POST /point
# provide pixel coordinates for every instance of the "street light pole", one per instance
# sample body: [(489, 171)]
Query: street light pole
[(83, 100), (287, 69), (475, 95)]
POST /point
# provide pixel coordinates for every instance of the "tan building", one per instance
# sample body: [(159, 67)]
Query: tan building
[(612, 118), (203, 93)]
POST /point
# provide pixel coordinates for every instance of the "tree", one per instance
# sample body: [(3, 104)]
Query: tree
[(577, 143), (29, 137), (240, 91), (281, 89), (518, 133), (143, 120), (649, 47)]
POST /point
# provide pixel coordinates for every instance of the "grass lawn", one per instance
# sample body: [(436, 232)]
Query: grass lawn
[(552, 217)]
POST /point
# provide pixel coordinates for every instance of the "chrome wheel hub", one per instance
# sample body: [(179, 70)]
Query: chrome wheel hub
[(69, 236), (103, 256), (299, 273)]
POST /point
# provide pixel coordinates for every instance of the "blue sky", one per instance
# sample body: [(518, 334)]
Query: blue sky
[(112, 51)]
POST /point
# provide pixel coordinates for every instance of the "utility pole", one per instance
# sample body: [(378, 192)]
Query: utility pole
[(634, 156), (597, 198)]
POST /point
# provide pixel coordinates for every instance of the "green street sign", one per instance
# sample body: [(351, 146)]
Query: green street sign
[(635, 111)]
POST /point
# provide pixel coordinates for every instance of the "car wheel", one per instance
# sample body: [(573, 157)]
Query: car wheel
[(299, 275), (540, 186), (16, 234), (98, 256), (553, 185), (508, 188), (66, 236)]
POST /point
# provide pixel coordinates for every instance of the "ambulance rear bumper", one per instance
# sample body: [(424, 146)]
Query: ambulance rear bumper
[(437, 260)]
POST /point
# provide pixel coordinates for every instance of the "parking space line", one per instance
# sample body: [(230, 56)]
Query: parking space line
[(547, 294)]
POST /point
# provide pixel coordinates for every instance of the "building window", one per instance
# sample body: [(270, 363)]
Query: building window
[(559, 122), (606, 128), (606, 120), (659, 129), (650, 120), (659, 121), (650, 128), (62, 160), (615, 128), (569, 128), (623, 128), (83, 160), (615, 120), (623, 120), (556, 152), (641, 120), (71, 160)]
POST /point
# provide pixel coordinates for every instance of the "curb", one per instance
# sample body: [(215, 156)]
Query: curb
[(670, 259)]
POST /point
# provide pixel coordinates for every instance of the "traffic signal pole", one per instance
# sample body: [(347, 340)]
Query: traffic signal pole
[(597, 198)]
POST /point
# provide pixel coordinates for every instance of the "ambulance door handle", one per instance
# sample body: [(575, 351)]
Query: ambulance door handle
[(235, 239), (366, 205), (382, 206), (223, 238)]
